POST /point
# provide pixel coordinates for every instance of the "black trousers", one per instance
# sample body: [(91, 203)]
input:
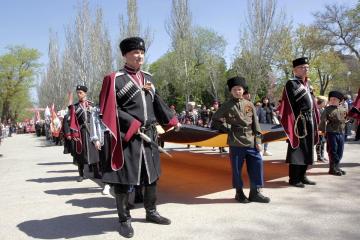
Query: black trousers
[(297, 173)]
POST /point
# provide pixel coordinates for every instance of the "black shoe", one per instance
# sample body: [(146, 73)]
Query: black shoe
[(256, 196), (342, 172), (80, 179), (240, 196), (322, 160), (335, 172), (126, 229), (154, 217), (307, 181), (298, 184)]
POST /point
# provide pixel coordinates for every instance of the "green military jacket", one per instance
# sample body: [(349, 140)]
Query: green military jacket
[(333, 119), (238, 118)]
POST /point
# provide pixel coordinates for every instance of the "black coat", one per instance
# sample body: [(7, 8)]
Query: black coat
[(89, 154), (69, 145), (133, 103), (301, 101)]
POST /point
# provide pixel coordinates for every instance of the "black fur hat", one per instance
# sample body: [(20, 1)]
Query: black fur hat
[(336, 94), (82, 88), (236, 81), (131, 43), (300, 61)]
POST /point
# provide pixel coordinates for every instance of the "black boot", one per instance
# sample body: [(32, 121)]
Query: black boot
[(294, 173), (149, 203), (96, 171), (81, 172), (305, 180), (80, 179), (333, 170), (337, 167), (256, 196), (126, 229), (240, 196)]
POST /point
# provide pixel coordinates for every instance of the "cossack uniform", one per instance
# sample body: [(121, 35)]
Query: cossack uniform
[(237, 117), (332, 122)]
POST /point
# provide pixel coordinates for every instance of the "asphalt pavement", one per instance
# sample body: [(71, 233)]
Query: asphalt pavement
[(40, 198)]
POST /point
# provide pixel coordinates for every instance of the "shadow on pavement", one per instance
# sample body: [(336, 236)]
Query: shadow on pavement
[(54, 163), (53, 179), (70, 226), (346, 165), (98, 202), (63, 171), (72, 191)]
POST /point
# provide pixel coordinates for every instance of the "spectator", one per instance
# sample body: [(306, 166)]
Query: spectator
[(266, 115)]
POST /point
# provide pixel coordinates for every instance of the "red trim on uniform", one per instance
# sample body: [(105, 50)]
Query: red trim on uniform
[(108, 109), (134, 127), (356, 105), (74, 126), (173, 122)]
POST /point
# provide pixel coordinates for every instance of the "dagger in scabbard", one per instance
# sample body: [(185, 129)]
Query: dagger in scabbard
[(147, 139)]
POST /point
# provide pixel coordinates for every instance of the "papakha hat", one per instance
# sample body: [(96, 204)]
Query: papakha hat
[(132, 43)]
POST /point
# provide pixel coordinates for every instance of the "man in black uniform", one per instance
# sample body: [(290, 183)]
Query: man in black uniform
[(85, 151), (130, 106), (300, 118)]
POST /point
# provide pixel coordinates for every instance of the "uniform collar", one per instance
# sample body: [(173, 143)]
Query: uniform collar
[(131, 70), (237, 99)]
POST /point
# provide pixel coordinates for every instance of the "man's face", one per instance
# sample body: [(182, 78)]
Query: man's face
[(237, 91), (135, 58), (302, 70), (334, 101), (81, 95)]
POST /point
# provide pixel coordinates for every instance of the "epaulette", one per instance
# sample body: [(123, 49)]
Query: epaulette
[(147, 73), (119, 73)]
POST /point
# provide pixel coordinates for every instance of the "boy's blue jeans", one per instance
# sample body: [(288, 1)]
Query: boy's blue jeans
[(254, 164), (335, 146)]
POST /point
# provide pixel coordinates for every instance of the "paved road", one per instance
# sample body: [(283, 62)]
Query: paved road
[(41, 199)]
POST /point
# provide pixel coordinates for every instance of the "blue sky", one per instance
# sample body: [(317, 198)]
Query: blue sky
[(27, 22)]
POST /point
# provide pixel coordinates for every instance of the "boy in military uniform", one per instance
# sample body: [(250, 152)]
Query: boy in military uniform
[(332, 123), (238, 118)]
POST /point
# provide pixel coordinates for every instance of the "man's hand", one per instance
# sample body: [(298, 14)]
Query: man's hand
[(258, 147), (147, 86), (177, 127), (68, 137), (97, 145)]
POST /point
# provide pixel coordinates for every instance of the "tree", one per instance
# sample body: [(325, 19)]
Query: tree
[(51, 89), (209, 49), (341, 27), (330, 70), (132, 28), (18, 68), (179, 28), (86, 58), (261, 39)]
